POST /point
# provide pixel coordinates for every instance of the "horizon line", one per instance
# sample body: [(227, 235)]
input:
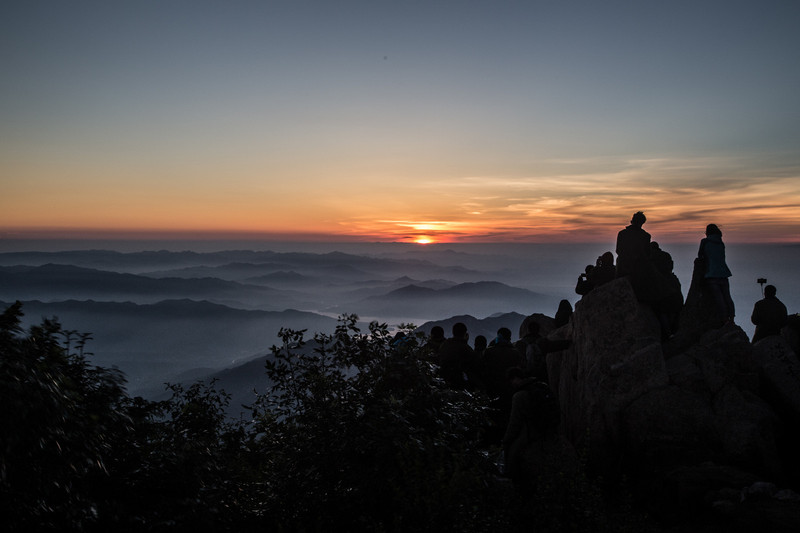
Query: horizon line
[(172, 236), (605, 233)]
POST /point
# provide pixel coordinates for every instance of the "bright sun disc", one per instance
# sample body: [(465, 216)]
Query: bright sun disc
[(423, 240)]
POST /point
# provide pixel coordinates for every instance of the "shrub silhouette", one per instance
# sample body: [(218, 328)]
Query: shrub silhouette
[(361, 434), (357, 433), (61, 419)]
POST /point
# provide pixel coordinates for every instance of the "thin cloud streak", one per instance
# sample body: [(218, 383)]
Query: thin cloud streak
[(679, 196), (535, 121)]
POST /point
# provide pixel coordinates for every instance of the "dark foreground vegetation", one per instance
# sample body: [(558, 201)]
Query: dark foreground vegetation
[(357, 434)]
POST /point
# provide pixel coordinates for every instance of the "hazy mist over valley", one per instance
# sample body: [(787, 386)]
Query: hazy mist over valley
[(194, 309)]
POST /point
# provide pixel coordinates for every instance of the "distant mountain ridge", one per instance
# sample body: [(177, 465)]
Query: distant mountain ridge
[(479, 298), (153, 342), (51, 282), (162, 314), (242, 379)]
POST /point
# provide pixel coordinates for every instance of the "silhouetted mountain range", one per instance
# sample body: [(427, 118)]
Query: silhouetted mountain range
[(242, 379), (235, 262), (51, 282), (481, 298), (161, 314), (152, 343)]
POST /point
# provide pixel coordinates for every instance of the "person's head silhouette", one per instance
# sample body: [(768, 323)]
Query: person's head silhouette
[(459, 330), (638, 219)]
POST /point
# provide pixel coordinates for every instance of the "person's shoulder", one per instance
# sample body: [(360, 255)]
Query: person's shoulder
[(447, 343)]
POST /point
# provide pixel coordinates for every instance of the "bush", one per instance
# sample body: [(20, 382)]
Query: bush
[(357, 433), (361, 434), (78, 453), (61, 419)]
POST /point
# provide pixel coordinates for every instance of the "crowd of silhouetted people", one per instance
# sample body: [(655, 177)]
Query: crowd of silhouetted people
[(506, 372), (513, 374)]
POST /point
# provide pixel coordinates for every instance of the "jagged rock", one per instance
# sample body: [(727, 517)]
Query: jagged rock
[(634, 412), (725, 355), (747, 427), (760, 490), (690, 422), (791, 332), (688, 490), (779, 369), (615, 357), (669, 427), (698, 315), (684, 371), (546, 324), (768, 514), (551, 458)]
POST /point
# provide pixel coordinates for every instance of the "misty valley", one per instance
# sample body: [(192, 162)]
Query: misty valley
[(179, 316), (205, 402)]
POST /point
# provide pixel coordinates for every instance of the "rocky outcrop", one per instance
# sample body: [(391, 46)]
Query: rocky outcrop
[(662, 414), (546, 324), (791, 332)]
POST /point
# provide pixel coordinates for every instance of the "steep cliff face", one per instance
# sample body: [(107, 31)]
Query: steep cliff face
[(646, 409)]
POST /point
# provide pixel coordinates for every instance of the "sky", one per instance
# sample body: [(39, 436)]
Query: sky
[(447, 121)]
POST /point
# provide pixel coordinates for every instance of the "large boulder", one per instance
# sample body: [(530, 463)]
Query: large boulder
[(791, 332), (546, 324), (692, 422), (779, 372), (669, 427), (614, 358), (631, 411), (698, 315), (779, 369)]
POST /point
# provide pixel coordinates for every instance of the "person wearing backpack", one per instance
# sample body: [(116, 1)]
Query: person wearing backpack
[(535, 417)]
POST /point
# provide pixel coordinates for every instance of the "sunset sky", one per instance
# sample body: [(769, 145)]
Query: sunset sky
[(400, 120)]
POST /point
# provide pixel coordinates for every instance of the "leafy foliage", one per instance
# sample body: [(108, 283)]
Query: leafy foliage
[(60, 418), (363, 435), (78, 453), (357, 433)]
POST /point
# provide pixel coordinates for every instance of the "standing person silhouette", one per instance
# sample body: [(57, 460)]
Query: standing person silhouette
[(456, 358), (769, 315), (633, 256), (712, 253), (633, 246)]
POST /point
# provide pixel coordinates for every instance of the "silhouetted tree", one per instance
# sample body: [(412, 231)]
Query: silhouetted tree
[(61, 419), (363, 435)]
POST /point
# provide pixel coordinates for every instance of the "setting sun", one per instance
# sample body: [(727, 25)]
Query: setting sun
[(423, 240)]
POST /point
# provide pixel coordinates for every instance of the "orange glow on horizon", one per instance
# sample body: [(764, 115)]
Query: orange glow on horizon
[(561, 208)]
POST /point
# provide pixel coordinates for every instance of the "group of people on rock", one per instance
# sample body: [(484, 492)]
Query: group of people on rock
[(650, 272), (648, 268), (502, 369), (514, 374), (663, 290)]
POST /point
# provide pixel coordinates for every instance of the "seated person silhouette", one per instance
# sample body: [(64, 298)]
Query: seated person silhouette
[(604, 271)]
